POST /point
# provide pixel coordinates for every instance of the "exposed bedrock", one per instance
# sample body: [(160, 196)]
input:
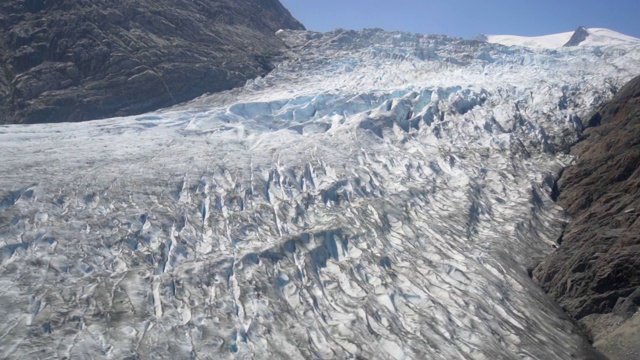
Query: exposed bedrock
[(75, 60), (595, 273)]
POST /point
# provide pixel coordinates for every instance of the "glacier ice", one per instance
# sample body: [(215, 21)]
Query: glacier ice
[(378, 195)]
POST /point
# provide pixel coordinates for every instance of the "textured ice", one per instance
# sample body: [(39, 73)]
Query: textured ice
[(378, 196)]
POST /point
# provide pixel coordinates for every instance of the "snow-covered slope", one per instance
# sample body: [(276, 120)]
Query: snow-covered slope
[(596, 37), (379, 195)]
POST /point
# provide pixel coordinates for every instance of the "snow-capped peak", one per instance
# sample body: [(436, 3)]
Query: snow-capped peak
[(580, 37)]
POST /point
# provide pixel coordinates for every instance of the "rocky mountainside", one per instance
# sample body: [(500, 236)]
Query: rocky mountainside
[(595, 274), (74, 60)]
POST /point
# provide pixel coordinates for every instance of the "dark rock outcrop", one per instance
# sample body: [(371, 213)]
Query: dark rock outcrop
[(581, 34), (596, 270), (480, 37), (73, 60)]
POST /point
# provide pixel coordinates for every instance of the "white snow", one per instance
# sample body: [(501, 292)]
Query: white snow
[(597, 37), (378, 195), (554, 41)]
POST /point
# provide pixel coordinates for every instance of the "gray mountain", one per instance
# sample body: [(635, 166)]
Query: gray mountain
[(74, 60)]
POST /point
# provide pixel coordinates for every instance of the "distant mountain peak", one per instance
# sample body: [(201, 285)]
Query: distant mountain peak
[(581, 34)]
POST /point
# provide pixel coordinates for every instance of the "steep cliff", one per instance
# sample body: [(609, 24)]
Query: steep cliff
[(74, 60)]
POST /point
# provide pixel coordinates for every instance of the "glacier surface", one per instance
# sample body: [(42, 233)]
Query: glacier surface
[(379, 195)]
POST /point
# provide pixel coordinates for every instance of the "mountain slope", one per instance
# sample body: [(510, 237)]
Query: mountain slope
[(378, 195), (595, 274), (78, 60)]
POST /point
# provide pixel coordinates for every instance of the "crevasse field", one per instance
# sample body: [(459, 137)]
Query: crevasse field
[(378, 196)]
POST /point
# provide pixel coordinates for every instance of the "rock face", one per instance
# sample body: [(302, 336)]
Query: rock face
[(581, 34), (596, 270), (74, 60)]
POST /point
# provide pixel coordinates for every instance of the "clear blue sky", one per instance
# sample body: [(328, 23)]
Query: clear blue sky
[(466, 18)]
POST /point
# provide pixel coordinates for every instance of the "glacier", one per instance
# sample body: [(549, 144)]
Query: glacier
[(379, 195)]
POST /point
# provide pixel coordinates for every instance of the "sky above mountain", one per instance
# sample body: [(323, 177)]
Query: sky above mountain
[(466, 18)]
